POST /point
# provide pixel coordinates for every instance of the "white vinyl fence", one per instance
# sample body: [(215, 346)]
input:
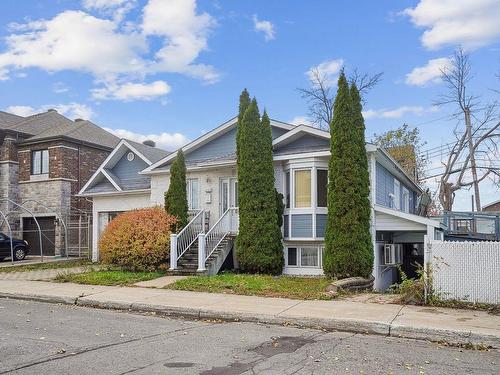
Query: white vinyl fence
[(468, 271)]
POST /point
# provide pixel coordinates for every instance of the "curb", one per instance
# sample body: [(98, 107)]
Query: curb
[(453, 337)]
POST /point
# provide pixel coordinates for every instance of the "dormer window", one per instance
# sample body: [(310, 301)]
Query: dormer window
[(40, 162)]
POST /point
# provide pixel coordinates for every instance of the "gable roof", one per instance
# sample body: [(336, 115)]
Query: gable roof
[(51, 124), (105, 181), (153, 154), (206, 138)]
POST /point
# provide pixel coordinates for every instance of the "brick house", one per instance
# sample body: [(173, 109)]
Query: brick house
[(47, 158), (492, 207)]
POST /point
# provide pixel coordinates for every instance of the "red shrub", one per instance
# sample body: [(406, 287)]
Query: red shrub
[(137, 240)]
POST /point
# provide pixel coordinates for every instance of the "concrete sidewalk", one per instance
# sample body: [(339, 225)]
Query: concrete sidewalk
[(435, 324)]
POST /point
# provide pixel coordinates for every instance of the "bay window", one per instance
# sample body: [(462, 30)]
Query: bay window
[(302, 188), (321, 187)]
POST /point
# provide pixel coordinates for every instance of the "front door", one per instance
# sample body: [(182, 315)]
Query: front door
[(228, 193)]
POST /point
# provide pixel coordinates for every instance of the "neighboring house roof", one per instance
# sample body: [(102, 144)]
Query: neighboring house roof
[(491, 204), (7, 119), (118, 174), (51, 124)]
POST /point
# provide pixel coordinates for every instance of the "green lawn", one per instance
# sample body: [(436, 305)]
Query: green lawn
[(46, 265), (256, 285), (108, 277)]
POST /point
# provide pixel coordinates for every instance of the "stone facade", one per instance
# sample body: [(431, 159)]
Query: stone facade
[(71, 165)]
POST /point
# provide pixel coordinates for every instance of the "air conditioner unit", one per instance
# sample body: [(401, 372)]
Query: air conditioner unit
[(393, 254)]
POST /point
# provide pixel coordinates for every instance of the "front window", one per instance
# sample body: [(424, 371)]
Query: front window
[(307, 256), (321, 186), (40, 162), (302, 188), (193, 194)]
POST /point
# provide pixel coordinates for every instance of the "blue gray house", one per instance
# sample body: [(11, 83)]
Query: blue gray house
[(301, 155)]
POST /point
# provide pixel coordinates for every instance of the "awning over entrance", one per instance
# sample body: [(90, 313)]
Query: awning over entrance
[(389, 220)]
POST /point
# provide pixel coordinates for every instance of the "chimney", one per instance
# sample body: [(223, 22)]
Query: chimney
[(149, 142)]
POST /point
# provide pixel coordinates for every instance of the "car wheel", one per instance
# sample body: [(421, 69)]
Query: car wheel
[(19, 253)]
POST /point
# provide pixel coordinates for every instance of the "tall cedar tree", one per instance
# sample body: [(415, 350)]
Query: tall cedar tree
[(259, 242), (176, 197), (348, 246), (244, 103)]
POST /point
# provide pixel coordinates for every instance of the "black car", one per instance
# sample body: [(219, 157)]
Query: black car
[(21, 247)]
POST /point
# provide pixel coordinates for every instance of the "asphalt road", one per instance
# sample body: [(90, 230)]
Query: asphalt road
[(39, 338)]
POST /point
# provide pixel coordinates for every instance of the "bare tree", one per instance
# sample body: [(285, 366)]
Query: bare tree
[(474, 155), (320, 96)]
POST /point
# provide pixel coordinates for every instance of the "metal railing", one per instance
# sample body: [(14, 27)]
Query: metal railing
[(475, 225), (181, 241), (207, 243)]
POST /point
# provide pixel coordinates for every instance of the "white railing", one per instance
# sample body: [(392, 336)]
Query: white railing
[(180, 242), (207, 243)]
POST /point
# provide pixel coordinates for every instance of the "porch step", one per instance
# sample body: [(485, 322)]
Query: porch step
[(188, 262)]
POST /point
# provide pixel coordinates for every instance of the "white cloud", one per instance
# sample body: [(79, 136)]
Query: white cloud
[(21, 110), (70, 110), (4, 74), (298, 120), (115, 8), (112, 51), (328, 70), (265, 27), (185, 35), (470, 23), (167, 141), (68, 42), (429, 73), (397, 112), (60, 87), (131, 91)]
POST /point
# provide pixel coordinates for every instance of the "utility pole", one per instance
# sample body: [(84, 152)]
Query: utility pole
[(475, 183)]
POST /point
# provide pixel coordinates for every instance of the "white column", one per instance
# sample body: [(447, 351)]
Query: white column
[(201, 252), (173, 251)]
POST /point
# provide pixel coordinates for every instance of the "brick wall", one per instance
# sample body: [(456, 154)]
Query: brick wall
[(8, 151), (493, 208), (68, 161)]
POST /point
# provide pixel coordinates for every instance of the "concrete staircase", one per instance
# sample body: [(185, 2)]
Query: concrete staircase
[(187, 264)]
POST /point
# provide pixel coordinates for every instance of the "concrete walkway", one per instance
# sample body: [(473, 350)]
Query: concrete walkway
[(435, 324), (42, 274)]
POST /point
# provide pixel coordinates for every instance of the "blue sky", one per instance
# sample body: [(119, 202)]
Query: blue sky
[(173, 69)]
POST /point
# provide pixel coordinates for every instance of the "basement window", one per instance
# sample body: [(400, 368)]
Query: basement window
[(39, 162)]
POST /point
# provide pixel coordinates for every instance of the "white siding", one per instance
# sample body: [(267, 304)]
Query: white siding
[(209, 181)]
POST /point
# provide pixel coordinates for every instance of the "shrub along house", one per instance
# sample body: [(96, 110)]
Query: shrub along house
[(46, 158), (300, 155)]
